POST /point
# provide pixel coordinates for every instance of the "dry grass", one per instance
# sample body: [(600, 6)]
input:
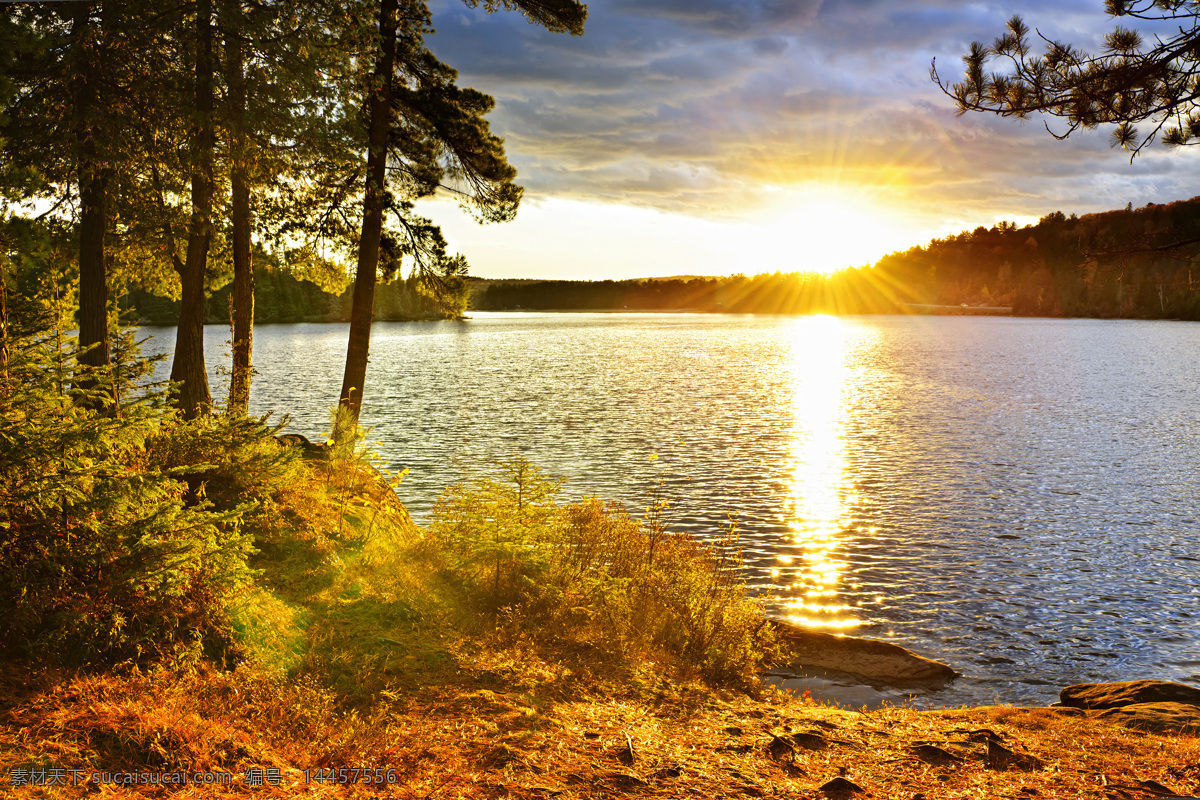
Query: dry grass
[(511, 725)]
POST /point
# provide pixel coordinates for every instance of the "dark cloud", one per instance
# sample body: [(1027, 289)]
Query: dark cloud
[(691, 105), (726, 18)]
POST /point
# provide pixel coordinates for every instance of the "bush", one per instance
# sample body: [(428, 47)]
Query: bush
[(588, 576), (108, 553)]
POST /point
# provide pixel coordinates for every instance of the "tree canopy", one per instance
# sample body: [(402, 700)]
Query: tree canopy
[(172, 141), (1135, 79)]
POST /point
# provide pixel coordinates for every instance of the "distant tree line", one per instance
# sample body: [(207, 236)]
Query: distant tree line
[(1126, 263), (774, 293), (283, 296)]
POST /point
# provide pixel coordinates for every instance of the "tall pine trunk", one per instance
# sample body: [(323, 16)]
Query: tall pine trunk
[(3, 342), (188, 366), (93, 282), (374, 201), (243, 269)]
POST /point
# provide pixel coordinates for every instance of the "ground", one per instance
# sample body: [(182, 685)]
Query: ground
[(502, 723)]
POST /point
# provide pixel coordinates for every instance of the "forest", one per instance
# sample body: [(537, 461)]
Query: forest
[(281, 296), (1124, 263), (159, 159)]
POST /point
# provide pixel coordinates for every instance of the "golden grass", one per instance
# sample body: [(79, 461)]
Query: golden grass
[(512, 725)]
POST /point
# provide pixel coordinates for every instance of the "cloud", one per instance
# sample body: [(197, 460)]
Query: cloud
[(692, 106), (725, 18)]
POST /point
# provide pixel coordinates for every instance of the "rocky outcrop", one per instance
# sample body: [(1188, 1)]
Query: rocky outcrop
[(1125, 693), (1155, 706), (308, 449), (878, 662), (1155, 717)]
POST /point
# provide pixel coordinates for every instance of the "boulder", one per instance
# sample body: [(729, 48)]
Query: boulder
[(308, 449), (1155, 717), (840, 786), (1126, 693), (878, 662)]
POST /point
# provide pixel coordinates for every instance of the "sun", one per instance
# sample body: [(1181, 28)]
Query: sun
[(823, 229)]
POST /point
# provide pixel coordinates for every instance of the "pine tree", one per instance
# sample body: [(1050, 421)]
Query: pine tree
[(63, 62), (1129, 82), (239, 208), (422, 130), (188, 365)]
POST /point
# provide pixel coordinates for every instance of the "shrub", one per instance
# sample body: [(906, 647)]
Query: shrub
[(229, 463), (501, 534), (588, 576), (107, 553)]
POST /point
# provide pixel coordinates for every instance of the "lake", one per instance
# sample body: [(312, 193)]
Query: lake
[(1016, 497)]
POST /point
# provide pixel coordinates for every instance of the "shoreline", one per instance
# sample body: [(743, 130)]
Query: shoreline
[(528, 729)]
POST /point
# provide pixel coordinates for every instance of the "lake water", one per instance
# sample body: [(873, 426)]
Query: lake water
[(1017, 497)]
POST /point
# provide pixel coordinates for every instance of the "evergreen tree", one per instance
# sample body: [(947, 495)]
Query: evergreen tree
[(61, 127), (1129, 82), (424, 129), (188, 365), (239, 207), (281, 62)]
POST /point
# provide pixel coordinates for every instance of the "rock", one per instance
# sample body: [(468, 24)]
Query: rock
[(1000, 757), (1126, 693), (840, 786), (307, 448), (1155, 786), (982, 735), (1155, 717), (810, 741), (932, 754), (874, 660)]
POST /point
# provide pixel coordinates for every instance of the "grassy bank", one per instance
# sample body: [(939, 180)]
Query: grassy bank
[(197, 597)]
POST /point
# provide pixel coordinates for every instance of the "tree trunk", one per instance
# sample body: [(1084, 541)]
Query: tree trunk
[(3, 342), (374, 201), (188, 366), (93, 283), (243, 269)]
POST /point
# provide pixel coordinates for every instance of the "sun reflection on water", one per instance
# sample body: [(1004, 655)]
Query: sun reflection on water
[(809, 578)]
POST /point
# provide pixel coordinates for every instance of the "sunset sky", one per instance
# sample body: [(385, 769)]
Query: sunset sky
[(681, 137)]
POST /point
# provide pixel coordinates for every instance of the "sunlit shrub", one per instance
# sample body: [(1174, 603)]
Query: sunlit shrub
[(229, 462), (502, 534), (589, 575), (107, 553), (358, 488)]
